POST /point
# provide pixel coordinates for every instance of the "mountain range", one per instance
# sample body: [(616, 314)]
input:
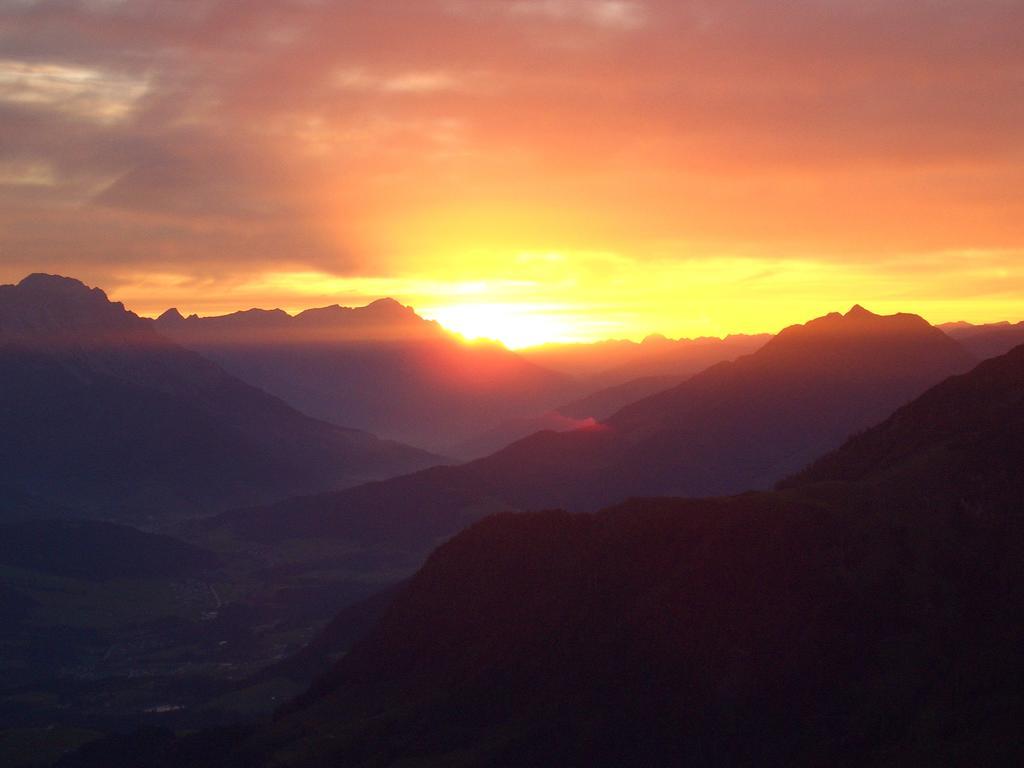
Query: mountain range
[(685, 609), (101, 414), (613, 362), (868, 612), (381, 367), (988, 339), (736, 426)]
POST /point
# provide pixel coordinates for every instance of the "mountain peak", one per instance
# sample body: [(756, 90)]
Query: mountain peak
[(53, 304), (328, 314), (388, 306), (39, 282), (171, 315), (45, 289), (857, 311), (386, 309), (258, 315), (861, 340), (859, 320)]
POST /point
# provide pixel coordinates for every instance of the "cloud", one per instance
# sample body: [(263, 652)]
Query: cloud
[(371, 139), (612, 14), (410, 82), (86, 93)]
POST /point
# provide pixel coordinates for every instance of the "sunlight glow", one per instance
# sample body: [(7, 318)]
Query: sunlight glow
[(514, 325), (579, 296)]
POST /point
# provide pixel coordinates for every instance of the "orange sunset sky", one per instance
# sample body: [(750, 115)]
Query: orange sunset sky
[(522, 169)]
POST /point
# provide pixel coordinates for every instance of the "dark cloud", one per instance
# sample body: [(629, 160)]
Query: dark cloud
[(213, 135)]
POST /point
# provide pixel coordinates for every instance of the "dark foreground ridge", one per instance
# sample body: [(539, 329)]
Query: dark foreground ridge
[(869, 613)]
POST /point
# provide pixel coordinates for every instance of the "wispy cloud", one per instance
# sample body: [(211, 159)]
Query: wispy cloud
[(84, 92), (367, 139), (27, 173), (613, 14), (408, 82)]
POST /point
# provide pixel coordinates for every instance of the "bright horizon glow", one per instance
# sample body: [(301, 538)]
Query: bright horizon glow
[(566, 298), (556, 170), (515, 325)]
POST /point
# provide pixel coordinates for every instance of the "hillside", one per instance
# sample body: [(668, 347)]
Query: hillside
[(380, 367), (964, 437), (736, 426), (827, 624), (101, 414), (987, 340)]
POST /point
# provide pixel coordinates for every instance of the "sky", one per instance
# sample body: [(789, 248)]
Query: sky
[(522, 169)]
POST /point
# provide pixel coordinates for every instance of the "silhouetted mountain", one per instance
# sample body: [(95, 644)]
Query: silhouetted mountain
[(989, 340), (961, 442), (610, 363), (380, 367), (869, 614), (741, 425), (961, 330), (736, 426), (100, 413)]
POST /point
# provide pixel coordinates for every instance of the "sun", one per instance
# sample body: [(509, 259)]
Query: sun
[(515, 325)]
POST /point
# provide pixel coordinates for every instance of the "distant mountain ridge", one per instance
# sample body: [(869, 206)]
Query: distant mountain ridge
[(381, 320), (611, 363), (986, 340), (741, 425), (381, 367), (737, 426), (100, 413)]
